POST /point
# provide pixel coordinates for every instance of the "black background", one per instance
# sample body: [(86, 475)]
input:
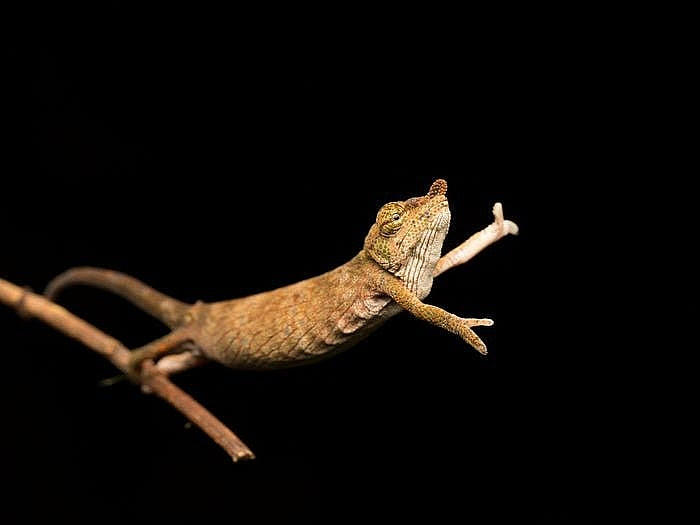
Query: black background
[(214, 160)]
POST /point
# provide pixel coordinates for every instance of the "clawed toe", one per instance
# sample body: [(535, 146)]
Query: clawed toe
[(478, 322), (474, 340)]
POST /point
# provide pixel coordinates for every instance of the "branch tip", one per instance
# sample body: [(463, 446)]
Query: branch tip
[(151, 379)]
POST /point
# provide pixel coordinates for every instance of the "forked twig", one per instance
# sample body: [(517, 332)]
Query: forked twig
[(154, 379), (151, 379), (477, 242)]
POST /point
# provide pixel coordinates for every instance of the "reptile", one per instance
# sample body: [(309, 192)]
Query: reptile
[(317, 317)]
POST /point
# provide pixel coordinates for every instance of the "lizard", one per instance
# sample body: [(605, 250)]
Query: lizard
[(318, 317)]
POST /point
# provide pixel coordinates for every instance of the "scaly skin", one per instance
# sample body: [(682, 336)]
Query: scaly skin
[(314, 318)]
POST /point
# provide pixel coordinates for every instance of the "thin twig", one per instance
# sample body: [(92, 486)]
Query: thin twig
[(476, 243), (151, 380)]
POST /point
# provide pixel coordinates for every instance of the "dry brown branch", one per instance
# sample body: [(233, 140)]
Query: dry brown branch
[(151, 379)]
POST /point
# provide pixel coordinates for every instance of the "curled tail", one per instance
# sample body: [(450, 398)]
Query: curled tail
[(170, 311)]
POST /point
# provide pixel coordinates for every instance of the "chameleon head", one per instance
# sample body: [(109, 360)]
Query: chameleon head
[(407, 237)]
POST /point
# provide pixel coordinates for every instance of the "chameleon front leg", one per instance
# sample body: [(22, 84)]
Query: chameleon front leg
[(460, 326), (477, 242)]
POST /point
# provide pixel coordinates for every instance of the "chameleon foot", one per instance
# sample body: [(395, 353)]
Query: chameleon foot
[(470, 336), (160, 347)]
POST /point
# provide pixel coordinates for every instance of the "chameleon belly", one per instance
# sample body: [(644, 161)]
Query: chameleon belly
[(295, 324)]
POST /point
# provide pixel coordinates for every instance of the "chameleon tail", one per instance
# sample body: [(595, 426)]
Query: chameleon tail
[(168, 310)]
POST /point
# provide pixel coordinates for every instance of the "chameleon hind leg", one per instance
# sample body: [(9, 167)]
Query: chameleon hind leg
[(168, 344)]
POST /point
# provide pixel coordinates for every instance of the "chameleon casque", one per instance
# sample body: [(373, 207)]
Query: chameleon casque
[(318, 317)]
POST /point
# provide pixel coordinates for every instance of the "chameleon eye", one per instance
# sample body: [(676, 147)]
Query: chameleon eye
[(395, 217)]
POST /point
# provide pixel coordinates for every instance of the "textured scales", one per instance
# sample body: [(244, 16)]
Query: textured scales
[(296, 323), (330, 312), (317, 317)]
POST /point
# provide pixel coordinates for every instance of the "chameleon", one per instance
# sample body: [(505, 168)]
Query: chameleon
[(318, 317)]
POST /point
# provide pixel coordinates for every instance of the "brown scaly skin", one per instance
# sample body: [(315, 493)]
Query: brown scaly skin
[(314, 318)]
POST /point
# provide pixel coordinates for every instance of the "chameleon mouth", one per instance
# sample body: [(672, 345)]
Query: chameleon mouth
[(439, 187)]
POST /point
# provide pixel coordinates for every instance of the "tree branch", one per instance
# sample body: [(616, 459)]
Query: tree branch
[(151, 379), (464, 252)]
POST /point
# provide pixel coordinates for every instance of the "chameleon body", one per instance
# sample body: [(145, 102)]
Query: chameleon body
[(314, 318)]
